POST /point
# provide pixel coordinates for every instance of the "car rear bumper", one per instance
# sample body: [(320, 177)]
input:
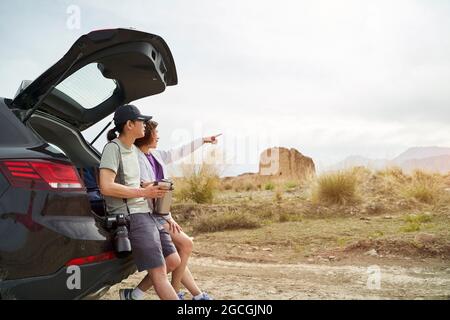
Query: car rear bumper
[(88, 281)]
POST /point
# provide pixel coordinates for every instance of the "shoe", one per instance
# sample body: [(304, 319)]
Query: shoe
[(181, 295), (126, 294), (204, 296)]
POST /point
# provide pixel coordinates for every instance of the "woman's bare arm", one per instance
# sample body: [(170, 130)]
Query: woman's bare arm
[(109, 187)]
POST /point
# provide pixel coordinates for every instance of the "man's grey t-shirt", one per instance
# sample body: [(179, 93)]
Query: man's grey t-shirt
[(130, 163)]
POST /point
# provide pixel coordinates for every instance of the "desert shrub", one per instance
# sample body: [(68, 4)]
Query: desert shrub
[(394, 174), (335, 188), (290, 185), (410, 227), (288, 216), (249, 186), (278, 197), (199, 184), (225, 221), (228, 186), (424, 187), (269, 186), (361, 174), (418, 218), (422, 192), (413, 222)]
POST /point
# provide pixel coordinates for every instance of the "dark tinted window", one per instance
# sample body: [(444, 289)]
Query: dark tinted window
[(12, 131)]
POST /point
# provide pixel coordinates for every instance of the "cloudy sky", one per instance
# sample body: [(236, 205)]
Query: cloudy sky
[(329, 78)]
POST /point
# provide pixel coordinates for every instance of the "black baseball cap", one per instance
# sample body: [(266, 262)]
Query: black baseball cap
[(128, 112)]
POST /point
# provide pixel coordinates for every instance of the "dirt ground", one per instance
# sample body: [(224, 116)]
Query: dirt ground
[(380, 249), (231, 280)]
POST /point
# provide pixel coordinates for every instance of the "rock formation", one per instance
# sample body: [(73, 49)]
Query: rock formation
[(285, 163)]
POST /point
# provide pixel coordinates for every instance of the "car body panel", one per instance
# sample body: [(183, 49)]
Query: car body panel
[(94, 280)]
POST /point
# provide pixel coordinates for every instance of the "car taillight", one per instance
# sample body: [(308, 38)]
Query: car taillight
[(42, 175), (92, 259)]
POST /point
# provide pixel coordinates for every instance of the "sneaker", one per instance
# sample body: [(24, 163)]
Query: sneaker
[(126, 294), (203, 296), (181, 295)]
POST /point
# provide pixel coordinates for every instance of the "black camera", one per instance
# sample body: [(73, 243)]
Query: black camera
[(119, 223)]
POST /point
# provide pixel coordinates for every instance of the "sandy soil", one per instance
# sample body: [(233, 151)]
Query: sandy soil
[(249, 280)]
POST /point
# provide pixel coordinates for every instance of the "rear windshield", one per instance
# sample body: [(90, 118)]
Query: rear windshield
[(88, 86), (12, 131)]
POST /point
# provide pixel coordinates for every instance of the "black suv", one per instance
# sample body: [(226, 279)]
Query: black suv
[(53, 244)]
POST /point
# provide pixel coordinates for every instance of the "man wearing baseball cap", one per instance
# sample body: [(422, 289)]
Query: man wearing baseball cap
[(153, 251)]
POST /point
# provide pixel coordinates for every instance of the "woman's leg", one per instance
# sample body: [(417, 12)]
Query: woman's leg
[(182, 274), (189, 283)]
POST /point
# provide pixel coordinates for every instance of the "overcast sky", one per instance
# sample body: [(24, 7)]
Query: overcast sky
[(329, 78)]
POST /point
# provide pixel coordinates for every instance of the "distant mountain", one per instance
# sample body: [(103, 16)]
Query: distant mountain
[(421, 153), (433, 159), (439, 164)]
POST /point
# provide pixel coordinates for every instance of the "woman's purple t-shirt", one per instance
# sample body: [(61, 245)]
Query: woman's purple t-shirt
[(157, 169)]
